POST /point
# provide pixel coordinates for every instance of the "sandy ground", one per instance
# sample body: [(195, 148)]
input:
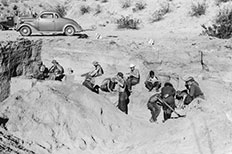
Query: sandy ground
[(207, 126), (74, 120)]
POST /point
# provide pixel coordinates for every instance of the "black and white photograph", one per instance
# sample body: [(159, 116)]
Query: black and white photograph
[(115, 76)]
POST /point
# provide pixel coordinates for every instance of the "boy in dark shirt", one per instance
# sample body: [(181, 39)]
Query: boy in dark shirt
[(168, 95)]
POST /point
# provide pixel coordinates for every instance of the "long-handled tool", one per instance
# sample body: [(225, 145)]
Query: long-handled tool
[(85, 74), (162, 101)]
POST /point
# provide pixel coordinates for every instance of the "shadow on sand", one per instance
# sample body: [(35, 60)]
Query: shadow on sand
[(80, 36)]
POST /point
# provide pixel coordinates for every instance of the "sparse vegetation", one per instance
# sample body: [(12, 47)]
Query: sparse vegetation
[(126, 3), (84, 9), (139, 6), (218, 2), (15, 7), (5, 3), (198, 9), (223, 1), (222, 27), (128, 23), (104, 1), (98, 10), (158, 14), (60, 9)]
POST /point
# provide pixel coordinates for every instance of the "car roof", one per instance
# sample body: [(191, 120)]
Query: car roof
[(49, 12)]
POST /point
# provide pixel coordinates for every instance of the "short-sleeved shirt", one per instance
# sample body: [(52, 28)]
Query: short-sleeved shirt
[(135, 73), (152, 80), (122, 87), (97, 72)]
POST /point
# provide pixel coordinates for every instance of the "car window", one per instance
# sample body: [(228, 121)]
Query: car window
[(47, 16), (56, 16)]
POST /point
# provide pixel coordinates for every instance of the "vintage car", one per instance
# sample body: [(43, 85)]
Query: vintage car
[(48, 22), (7, 24)]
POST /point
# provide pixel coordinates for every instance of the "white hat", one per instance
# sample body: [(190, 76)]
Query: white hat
[(95, 63), (132, 65), (190, 78)]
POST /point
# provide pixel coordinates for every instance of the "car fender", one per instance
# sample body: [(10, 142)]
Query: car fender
[(77, 27), (29, 25)]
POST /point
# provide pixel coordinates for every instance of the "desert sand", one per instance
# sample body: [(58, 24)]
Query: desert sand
[(66, 118)]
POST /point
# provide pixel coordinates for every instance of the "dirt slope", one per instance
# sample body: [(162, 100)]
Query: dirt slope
[(67, 118)]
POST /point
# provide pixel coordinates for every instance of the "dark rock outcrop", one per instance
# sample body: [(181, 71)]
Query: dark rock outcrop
[(17, 58)]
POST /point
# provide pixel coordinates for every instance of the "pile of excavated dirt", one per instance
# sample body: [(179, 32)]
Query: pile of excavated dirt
[(59, 118)]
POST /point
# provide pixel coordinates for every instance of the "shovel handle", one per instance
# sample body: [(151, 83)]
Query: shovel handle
[(162, 101)]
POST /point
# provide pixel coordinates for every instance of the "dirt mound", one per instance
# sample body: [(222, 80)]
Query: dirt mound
[(65, 118), (68, 118)]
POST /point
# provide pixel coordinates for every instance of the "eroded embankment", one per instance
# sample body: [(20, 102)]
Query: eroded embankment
[(17, 58)]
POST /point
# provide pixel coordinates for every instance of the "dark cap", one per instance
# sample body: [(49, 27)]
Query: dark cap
[(168, 84), (120, 74), (54, 62)]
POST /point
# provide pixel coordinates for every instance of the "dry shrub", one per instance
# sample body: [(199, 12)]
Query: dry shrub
[(198, 9), (126, 3), (222, 1), (104, 1), (218, 2), (97, 10), (139, 6), (222, 26), (5, 3), (84, 9), (128, 23), (61, 10), (158, 14), (15, 7)]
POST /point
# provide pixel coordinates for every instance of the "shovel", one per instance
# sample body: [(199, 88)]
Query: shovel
[(162, 101)]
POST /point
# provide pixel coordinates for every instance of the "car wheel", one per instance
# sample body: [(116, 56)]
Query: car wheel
[(69, 31), (25, 31)]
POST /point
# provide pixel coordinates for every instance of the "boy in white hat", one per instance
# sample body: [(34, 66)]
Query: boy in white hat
[(133, 76)]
